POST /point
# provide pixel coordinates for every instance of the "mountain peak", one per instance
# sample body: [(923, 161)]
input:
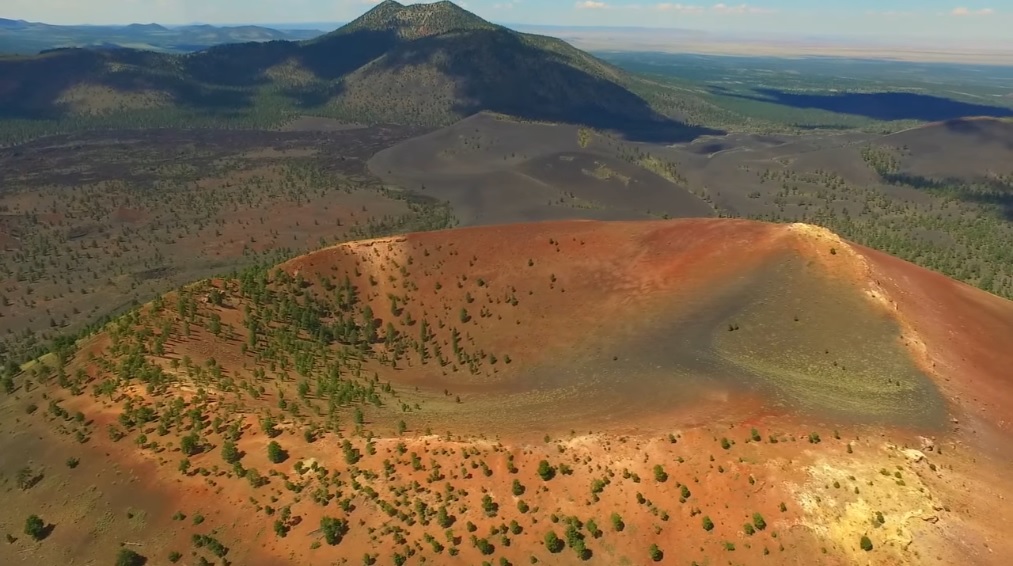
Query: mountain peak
[(415, 21)]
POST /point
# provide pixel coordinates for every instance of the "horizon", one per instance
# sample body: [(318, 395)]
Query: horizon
[(883, 20)]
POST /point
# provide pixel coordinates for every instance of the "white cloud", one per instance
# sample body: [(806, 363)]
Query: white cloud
[(739, 9), (590, 5), (680, 8), (963, 11)]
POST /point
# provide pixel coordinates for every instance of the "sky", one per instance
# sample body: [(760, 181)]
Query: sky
[(950, 20)]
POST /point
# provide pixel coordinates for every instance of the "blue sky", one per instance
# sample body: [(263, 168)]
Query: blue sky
[(961, 20)]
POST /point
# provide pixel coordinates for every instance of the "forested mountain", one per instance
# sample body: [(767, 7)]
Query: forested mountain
[(426, 64)]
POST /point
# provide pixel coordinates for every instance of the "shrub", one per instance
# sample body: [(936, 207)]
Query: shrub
[(553, 543), (267, 424), (758, 522), (127, 557), (190, 445), (35, 527), (333, 529), (352, 454), (443, 519), (866, 543), (26, 478), (229, 452), (489, 506), (708, 525), (617, 523), (518, 489), (484, 546), (545, 471), (659, 474), (655, 553)]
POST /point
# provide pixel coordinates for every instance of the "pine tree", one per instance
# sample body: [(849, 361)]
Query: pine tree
[(275, 453)]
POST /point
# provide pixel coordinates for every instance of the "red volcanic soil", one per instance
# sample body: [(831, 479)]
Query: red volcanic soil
[(966, 335), (599, 273), (591, 271), (563, 293)]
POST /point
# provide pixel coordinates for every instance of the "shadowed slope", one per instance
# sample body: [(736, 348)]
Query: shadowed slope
[(969, 149)]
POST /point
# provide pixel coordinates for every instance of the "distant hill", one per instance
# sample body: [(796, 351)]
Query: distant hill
[(146, 27), (21, 37), (425, 64), (969, 149), (6, 24)]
